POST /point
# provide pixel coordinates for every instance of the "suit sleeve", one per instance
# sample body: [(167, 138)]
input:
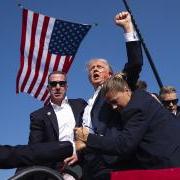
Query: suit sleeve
[(36, 154), (135, 62), (127, 139)]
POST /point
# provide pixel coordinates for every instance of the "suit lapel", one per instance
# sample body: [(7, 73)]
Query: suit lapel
[(97, 114), (52, 117), (75, 110), (97, 106)]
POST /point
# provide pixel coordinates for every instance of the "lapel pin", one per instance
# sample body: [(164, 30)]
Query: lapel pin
[(48, 113)]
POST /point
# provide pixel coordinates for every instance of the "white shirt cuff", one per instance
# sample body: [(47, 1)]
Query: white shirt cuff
[(131, 36), (74, 148)]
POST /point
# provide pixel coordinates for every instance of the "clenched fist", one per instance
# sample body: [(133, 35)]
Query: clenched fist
[(123, 19)]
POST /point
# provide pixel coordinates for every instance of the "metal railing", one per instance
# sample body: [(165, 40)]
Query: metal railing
[(25, 173)]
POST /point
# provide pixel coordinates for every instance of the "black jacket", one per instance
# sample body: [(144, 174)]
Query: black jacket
[(149, 138), (37, 154)]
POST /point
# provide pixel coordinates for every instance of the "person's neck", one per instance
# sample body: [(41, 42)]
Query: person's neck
[(97, 87), (58, 103)]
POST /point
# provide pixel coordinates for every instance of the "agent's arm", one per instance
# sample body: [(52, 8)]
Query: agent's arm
[(133, 47), (36, 154)]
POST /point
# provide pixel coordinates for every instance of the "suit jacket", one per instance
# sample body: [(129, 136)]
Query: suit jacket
[(149, 138), (105, 121), (29, 155), (44, 125), (178, 112)]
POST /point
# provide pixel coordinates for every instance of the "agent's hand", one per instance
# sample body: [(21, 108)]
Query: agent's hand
[(81, 133), (71, 160), (123, 19), (80, 145)]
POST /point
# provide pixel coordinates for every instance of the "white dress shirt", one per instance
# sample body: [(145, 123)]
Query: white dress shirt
[(87, 111), (66, 121)]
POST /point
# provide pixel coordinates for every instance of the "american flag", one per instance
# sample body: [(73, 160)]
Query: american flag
[(47, 44)]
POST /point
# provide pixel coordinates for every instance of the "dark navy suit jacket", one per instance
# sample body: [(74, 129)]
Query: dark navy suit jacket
[(149, 137)]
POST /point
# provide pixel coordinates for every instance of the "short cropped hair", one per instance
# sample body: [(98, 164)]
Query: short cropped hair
[(166, 90), (56, 72)]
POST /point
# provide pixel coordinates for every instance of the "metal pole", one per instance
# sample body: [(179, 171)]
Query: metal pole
[(144, 47)]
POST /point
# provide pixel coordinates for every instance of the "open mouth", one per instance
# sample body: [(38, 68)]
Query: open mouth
[(95, 76)]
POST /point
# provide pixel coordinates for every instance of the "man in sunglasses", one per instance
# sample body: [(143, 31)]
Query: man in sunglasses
[(56, 121), (168, 97)]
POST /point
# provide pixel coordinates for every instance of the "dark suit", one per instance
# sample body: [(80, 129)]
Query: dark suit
[(105, 121), (44, 126), (29, 155), (149, 138), (178, 112)]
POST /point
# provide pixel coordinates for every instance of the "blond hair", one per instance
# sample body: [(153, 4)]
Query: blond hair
[(117, 82)]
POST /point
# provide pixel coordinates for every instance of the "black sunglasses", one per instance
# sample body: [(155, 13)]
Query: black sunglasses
[(168, 102), (55, 83)]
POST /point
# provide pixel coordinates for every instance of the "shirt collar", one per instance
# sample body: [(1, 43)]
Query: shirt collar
[(64, 102), (99, 88)]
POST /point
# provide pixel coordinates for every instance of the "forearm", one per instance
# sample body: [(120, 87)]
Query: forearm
[(37, 154), (133, 46), (135, 62)]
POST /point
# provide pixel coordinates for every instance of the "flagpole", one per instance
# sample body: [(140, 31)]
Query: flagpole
[(19, 4), (144, 47)]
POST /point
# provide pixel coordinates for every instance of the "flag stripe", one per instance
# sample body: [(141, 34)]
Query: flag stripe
[(39, 57), (45, 95), (43, 62), (36, 50), (67, 64), (44, 76), (23, 40), (27, 47), (58, 57), (61, 63), (30, 55)]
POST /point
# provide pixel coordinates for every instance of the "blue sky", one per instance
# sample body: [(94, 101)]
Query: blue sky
[(158, 21)]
